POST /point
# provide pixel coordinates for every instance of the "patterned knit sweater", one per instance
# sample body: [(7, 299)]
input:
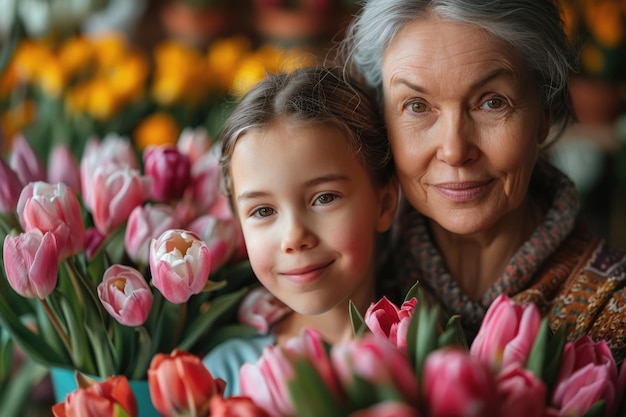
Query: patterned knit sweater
[(575, 278)]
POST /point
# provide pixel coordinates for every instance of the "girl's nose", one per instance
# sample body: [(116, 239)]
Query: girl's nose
[(297, 235)]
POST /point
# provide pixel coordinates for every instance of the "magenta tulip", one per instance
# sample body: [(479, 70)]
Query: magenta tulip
[(170, 171), (25, 162), (117, 191), (266, 382), (126, 295), (144, 224), (588, 374), (521, 393), (31, 263), (63, 167), (260, 309), (54, 209), (10, 188), (506, 334), (385, 319), (180, 263), (457, 384)]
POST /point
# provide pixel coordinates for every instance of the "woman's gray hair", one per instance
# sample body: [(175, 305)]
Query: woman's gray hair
[(532, 27)]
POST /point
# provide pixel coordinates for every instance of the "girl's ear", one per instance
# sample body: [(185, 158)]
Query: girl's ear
[(389, 195)]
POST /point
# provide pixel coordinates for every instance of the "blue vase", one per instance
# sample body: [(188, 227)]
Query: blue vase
[(64, 382)]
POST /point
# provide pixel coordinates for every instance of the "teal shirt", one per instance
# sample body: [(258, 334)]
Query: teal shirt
[(225, 360)]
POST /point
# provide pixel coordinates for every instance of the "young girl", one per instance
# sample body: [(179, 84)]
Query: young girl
[(310, 176)]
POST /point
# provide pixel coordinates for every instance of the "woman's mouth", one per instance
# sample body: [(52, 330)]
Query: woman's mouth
[(461, 192)]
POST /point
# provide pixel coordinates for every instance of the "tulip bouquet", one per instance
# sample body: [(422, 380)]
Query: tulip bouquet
[(107, 263), (412, 361)]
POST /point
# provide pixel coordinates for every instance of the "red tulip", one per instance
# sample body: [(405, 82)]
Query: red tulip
[(180, 263), (126, 295), (236, 406), (110, 398), (180, 385), (10, 188), (385, 319), (54, 209), (507, 333), (521, 393), (457, 384), (144, 224), (588, 374), (31, 263), (170, 171)]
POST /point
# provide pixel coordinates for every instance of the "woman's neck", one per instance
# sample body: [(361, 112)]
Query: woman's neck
[(476, 261)]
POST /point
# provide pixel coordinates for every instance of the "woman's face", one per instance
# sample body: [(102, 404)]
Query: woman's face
[(465, 123)]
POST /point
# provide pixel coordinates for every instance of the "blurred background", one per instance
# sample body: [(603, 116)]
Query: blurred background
[(71, 70)]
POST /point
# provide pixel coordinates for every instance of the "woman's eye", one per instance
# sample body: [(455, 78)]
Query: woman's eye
[(263, 212), (417, 107), (494, 103), (325, 198)]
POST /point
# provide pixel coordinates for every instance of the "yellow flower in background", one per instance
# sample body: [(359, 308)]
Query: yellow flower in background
[(77, 55), (606, 22), (224, 55), (157, 129), (109, 49), (28, 58), (51, 77), (129, 76), (101, 101), (14, 119)]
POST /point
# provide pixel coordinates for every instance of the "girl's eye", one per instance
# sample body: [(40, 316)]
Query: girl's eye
[(325, 198), (417, 107), (263, 212), (493, 103)]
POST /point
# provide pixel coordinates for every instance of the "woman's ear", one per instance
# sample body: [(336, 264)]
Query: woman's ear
[(389, 195)]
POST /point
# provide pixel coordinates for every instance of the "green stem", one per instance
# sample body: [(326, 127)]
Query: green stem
[(182, 313), (56, 324)]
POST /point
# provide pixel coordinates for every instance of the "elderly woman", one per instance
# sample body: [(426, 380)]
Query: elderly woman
[(472, 92)]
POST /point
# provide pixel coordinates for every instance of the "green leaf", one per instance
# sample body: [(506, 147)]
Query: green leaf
[(414, 292), (427, 334), (545, 356), (453, 334), (15, 395), (358, 322), (310, 395)]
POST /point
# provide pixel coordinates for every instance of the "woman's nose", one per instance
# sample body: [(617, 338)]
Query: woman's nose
[(297, 235), (456, 143)]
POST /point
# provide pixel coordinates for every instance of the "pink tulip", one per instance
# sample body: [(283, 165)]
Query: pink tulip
[(507, 333), (457, 384), (521, 393), (110, 398), (117, 192), (55, 209), (31, 263), (62, 167), (144, 224), (126, 295), (93, 242), (205, 181), (385, 319), (25, 162), (169, 170), (180, 263), (10, 188), (266, 382), (194, 142), (387, 409), (180, 385), (378, 361), (220, 235), (588, 374), (260, 309), (112, 150)]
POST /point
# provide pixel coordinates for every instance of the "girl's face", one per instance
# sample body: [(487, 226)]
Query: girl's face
[(465, 122), (309, 214)]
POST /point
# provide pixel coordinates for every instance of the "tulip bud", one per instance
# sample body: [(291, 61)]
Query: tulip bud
[(521, 393), (55, 209), (99, 400), (180, 385), (194, 143), (144, 224), (10, 188), (260, 309), (205, 181), (170, 171), (126, 295), (180, 263), (25, 162), (385, 319), (62, 167), (220, 235), (31, 263)]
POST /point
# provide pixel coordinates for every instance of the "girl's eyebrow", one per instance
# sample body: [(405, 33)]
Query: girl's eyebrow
[(252, 194)]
